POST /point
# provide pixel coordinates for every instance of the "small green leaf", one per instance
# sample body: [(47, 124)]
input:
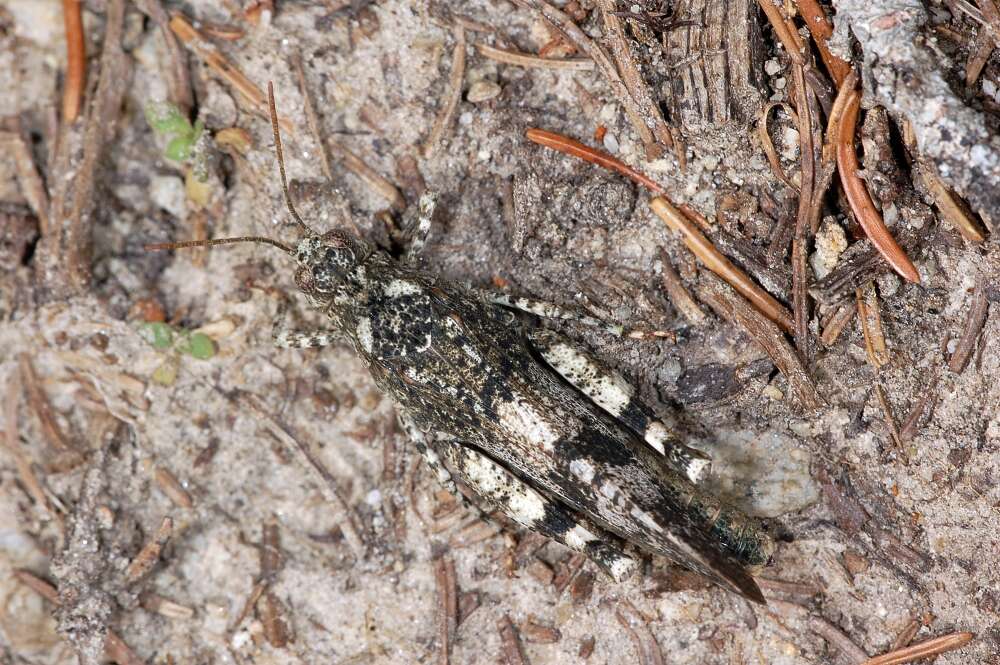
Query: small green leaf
[(199, 127), (178, 149), (166, 373), (160, 335), (199, 345), (165, 118)]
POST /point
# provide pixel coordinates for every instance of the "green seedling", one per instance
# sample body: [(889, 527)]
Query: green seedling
[(182, 137), (175, 342)]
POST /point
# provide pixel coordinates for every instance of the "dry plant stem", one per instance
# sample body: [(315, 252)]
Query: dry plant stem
[(845, 313), (328, 483), (150, 552), (369, 176), (632, 78), (513, 653), (444, 574), (574, 148), (991, 15), (39, 403), (768, 145), (21, 461), (195, 41), (519, 59), (984, 46), (645, 643), (115, 648), (973, 328), (767, 335), (912, 422), (32, 187), (871, 326), (178, 76), (949, 206), (844, 94), (678, 293), (454, 94), (565, 24), (170, 486), (76, 61), (785, 30), (906, 635), (890, 419), (800, 269), (69, 244), (837, 638), (932, 647), (819, 27), (706, 252), (861, 201)]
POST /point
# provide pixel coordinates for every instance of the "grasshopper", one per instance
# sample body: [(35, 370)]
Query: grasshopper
[(529, 425)]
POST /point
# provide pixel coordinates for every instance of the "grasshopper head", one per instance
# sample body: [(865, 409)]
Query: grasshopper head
[(325, 261)]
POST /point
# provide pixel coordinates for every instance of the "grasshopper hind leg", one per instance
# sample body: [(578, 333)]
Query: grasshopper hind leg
[(613, 394), (504, 492)]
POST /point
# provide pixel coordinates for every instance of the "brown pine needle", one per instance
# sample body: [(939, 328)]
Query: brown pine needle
[(768, 145), (76, 60), (785, 30), (195, 41), (932, 647), (693, 238), (715, 261), (574, 148), (949, 207), (518, 59), (821, 30), (861, 201)]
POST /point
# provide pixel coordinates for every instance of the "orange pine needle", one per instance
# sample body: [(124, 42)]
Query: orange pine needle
[(861, 201), (76, 60)]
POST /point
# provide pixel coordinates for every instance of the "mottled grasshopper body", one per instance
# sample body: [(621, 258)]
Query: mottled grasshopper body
[(528, 424)]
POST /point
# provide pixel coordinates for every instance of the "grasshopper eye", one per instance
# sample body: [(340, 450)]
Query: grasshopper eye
[(304, 278)]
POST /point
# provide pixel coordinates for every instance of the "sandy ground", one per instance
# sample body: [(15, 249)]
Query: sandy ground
[(879, 537)]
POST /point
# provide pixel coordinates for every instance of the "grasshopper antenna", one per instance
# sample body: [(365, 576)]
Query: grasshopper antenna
[(281, 159), (217, 241)]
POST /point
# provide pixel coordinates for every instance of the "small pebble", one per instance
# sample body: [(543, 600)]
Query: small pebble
[(772, 67), (610, 143), (482, 91)]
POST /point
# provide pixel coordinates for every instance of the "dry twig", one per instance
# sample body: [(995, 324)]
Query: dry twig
[(195, 41), (13, 446), (645, 643), (928, 649), (951, 210), (678, 293), (633, 81), (32, 187), (511, 643), (444, 574), (150, 552), (714, 260), (518, 59), (454, 94), (835, 325), (871, 326), (76, 60), (819, 26), (807, 161), (973, 327), (890, 419), (566, 25), (39, 403), (367, 174), (837, 638), (767, 335)]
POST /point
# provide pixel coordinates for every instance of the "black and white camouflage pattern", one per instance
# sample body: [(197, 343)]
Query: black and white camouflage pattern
[(535, 428)]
